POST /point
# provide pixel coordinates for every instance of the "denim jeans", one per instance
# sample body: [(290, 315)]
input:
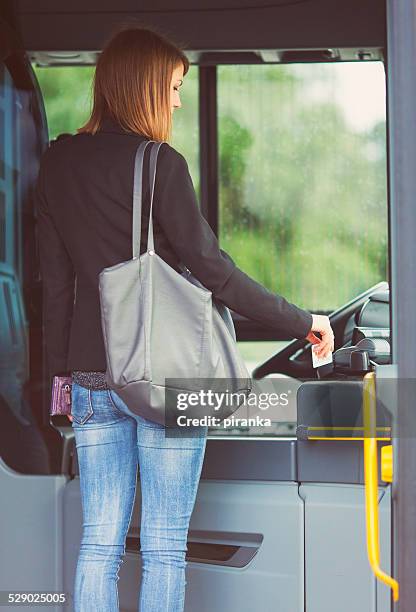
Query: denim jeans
[(112, 445)]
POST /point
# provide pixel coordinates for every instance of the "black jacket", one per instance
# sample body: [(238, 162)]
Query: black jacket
[(83, 202)]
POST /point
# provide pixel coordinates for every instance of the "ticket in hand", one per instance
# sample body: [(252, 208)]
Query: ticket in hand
[(316, 361)]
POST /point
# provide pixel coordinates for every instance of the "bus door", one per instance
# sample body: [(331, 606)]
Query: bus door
[(31, 476)]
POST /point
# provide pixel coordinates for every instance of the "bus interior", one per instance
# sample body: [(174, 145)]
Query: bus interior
[(300, 144)]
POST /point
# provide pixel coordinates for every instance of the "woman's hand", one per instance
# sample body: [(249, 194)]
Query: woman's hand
[(321, 324), (69, 417)]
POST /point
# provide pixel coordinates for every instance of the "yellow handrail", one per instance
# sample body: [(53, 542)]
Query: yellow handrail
[(387, 463), (371, 483), (387, 430)]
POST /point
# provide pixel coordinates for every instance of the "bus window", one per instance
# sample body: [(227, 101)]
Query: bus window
[(302, 186), (303, 196)]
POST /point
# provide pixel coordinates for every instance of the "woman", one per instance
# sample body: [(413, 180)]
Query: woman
[(84, 205)]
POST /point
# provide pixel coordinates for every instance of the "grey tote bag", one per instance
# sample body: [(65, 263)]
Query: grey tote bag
[(164, 332)]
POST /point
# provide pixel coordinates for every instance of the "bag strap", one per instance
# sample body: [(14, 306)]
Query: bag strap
[(152, 177), (137, 197), (138, 194), (152, 170)]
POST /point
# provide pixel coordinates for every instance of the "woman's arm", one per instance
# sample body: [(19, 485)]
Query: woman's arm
[(192, 239), (58, 278)]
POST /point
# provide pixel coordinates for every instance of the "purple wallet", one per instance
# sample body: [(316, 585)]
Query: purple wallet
[(61, 395)]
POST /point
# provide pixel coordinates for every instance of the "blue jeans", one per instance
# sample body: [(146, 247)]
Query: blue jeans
[(112, 443)]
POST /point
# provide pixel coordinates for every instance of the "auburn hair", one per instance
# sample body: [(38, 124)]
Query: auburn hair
[(132, 82)]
